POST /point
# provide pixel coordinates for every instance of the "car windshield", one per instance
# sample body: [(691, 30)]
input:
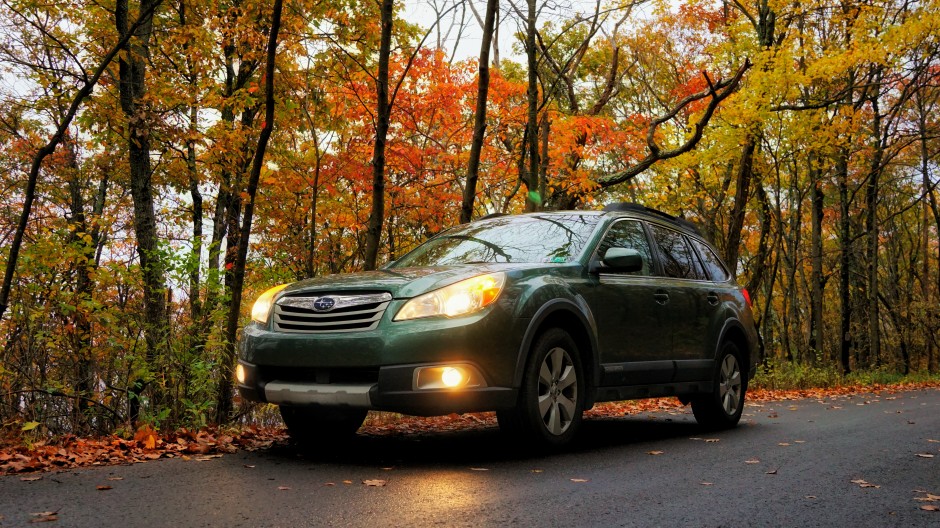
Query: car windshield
[(550, 238)]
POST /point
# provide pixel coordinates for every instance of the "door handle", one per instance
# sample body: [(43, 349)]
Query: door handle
[(661, 297), (713, 299)]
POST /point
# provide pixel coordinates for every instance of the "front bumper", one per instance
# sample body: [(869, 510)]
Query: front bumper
[(376, 369), (393, 391)]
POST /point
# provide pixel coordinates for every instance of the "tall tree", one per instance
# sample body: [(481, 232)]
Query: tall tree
[(224, 400), (479, 114), (382, 118), (133, 88)]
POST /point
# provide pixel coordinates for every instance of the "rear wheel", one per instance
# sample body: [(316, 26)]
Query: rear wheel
[(321, 424), (551, 400), (722, 408)]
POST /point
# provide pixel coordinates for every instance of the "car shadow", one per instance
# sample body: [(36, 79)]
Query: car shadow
[(484, 445)]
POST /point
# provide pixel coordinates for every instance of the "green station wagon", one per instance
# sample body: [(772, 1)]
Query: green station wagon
[(536, 316)]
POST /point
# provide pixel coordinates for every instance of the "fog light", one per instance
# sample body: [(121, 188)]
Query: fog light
[(451, 377), (240, 374), (454, 376)]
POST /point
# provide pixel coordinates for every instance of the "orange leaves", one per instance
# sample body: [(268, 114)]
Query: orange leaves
[(147, 444), (146, 437)]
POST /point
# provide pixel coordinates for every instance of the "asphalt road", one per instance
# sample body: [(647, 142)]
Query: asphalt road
[(789, 463)]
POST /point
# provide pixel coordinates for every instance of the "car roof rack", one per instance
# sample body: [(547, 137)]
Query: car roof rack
[(635, 207)]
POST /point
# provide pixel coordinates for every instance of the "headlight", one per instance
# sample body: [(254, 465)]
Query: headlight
[(262, 307), (462, 298)]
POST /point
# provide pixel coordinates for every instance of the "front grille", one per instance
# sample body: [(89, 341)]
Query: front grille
[(318, 313)]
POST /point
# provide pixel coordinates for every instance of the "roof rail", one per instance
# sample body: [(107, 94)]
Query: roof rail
[(630, 206)]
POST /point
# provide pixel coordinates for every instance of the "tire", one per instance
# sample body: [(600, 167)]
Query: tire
[(313, 425), (551, 399), (723, 407)]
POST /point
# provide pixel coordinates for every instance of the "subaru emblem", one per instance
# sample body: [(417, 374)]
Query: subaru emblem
[(324, 304)]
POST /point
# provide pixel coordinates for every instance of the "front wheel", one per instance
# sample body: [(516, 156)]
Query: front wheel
[(551, 400), (312, 425), (723, 407)]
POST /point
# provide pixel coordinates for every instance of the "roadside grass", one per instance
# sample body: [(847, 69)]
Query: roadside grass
[(785, 375)]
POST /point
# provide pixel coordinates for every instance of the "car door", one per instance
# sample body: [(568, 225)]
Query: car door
[(692, 302), (633, 347)]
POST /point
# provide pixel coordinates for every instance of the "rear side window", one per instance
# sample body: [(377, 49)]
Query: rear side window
[(628, 234), (713, 266), (678, 259)]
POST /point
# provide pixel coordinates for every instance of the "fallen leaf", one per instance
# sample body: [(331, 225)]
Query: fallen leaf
[(579, 480), (930, 507), (387, 468), (32, 478), (479, 469), (103, 488), (376, 483), (654, 453), (933, 441), (928, 498), (712, 440), (810, 497), (249, 466), (536, 470), (329, 484), (44, 517), (347, 482), (771, 472), (799, 441), (783, 444), (924, 455), (862, 484), (283, 488), (204, 458), (115, 478), (752, 461), (707, 483)]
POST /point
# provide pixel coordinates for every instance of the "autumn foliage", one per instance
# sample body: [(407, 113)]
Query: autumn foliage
[(816, 177)]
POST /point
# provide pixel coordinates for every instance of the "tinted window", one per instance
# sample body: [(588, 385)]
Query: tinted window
[(527, 239), (677, 256), (627, 234), (713, 266)]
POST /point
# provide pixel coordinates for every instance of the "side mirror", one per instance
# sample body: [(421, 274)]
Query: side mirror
[(623, 260)]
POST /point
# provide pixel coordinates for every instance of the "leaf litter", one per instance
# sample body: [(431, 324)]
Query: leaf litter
[(68, 452)]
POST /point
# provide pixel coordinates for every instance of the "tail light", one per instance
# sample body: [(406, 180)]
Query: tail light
[(747, 297)]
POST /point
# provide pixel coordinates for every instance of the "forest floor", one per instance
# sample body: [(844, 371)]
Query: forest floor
[(29, 454)]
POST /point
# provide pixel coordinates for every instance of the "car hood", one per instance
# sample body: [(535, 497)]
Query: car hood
[(402, 283)]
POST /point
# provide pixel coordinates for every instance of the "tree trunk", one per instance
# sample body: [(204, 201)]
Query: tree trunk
[(739, 208), (132, 89), (479, 114), (309, 263), (816, 338), (532, 200), (383, 116), (845, 262), (871, 231)]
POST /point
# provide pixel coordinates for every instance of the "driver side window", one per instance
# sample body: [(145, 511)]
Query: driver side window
[(628, 234)]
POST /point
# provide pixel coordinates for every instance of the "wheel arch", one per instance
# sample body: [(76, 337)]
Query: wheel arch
[(734, 332), (578, 322)]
